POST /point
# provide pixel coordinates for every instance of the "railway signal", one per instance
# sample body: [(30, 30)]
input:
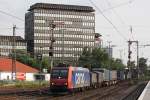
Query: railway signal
[(129, 55), (52, 25)]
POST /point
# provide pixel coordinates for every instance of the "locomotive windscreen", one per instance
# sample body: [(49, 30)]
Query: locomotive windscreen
[(59, 73)]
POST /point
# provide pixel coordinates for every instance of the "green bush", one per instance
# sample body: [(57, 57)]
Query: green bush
[(24, 84), (33, 84), (5, 83)]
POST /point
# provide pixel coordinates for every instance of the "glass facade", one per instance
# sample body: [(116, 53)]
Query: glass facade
[(74, 30), (6, 43)]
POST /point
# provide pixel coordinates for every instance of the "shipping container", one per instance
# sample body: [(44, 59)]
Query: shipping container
[(129, 75), (110, 76), (106, 73), (120, 75), (94, 79), (113, 75), (134, 73), (80, 77), (99, 77), (93, 76)]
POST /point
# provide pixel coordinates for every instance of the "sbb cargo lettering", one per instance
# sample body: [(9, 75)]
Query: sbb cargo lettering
[(79, 77)]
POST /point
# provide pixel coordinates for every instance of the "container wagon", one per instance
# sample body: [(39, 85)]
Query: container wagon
[(99, 78), (105, 75), (93, 79), (120, 75), (113, 77)]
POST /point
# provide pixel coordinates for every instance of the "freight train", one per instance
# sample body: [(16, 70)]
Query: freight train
[(72, 79)]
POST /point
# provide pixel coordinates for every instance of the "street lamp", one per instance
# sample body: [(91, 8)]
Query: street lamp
[(98, 40)]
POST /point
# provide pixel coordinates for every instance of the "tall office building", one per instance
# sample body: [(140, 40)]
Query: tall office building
[(7, 42), (75, 28)]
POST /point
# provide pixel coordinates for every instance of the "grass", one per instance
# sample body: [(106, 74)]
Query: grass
[(24, 84)]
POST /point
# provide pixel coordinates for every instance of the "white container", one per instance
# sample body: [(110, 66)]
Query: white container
[(113, 75)]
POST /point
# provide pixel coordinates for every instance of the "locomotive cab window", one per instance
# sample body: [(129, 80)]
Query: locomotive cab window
[(59, 73)]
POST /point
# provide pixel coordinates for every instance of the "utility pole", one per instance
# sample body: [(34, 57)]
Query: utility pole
[(109, 47), (13, 76), (121, 54), (109, 42), (138, 58)]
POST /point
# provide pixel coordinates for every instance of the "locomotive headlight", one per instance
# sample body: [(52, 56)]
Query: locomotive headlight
[(52, 83)]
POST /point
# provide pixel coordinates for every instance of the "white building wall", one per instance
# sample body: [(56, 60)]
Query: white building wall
[(47, 77), (5, 76), (30, 77)]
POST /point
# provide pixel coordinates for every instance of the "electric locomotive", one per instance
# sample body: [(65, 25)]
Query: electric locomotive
[(69, 79)]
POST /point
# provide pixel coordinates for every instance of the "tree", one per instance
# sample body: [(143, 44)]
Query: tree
[(100, 57), (25, 58), (45, 63), (131, 65), (117, 64), (86, 58), (21, 55), (142, 65), (97, 58)]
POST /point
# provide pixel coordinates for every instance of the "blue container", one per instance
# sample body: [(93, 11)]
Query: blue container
[(80, 77), (120, 75)]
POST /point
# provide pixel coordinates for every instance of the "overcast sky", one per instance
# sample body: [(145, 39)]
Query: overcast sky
[(125, 13)]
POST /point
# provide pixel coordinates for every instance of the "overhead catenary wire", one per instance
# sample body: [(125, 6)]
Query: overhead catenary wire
[(4, 28), (119, 5), (108, 20), (8, 14), (119, 17), (112, 8)]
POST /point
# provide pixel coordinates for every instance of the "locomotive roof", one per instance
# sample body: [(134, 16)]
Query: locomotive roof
[(60, 67), (74, 68)]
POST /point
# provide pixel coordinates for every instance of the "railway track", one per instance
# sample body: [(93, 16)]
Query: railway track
[(93, 94), (105, 93), (37, 94), (134, 95)]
